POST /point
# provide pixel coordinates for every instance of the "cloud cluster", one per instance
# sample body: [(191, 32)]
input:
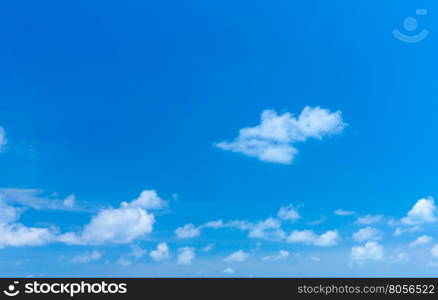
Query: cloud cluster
[(274, 139)]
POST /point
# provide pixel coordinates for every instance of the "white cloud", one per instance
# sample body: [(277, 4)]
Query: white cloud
[(136, 253), (70, 201), (186, 255), (237, 256), (3, 140), (399, 231), (8, 214), (434, 251), (282, 254), (369, 251), (267, 229), (161, 253), (187, 231), (422, 212), (87, 257), (115, 225), (207, 248), (367, 234), (329, 238), (288, 213), (274, 138), (148, 199), (214, 224), (369, 219), (18, 235), (421, 240), (343, 212), (35, 198), (229, 270), (401, 257)]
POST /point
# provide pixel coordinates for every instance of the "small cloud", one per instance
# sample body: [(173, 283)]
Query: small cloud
[(421, 240), (160, 253), (87, 257), (148, 199), (207, 248), (288, 213), (401, 257), (329, 238), (188, 231), (282, 254), (367, 234), (315, 258), (237, 256), (3, 140), (70, 201), (422, 212), (399, 231), (369, 251), (369, 219), (229, 270), (186, 256), (434, 251), (342, 212)]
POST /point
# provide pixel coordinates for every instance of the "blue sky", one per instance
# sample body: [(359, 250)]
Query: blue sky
[(103, 102)]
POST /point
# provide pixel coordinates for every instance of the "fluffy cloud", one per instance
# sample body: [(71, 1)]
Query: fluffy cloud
[(421, 240), (343, 212), (329, 238), (3, 140), (187, 231), (274, 138), (237, 256), (148, 199), (162, 252), (87, 257), (116, 225), (282, 254), (18, 235), (369, 251), (288, 213), (422, 212), (186, 255), (369, 219), (367, 234), (14, 234)]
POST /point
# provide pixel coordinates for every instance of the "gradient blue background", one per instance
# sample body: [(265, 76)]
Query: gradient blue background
[(105, 98)]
